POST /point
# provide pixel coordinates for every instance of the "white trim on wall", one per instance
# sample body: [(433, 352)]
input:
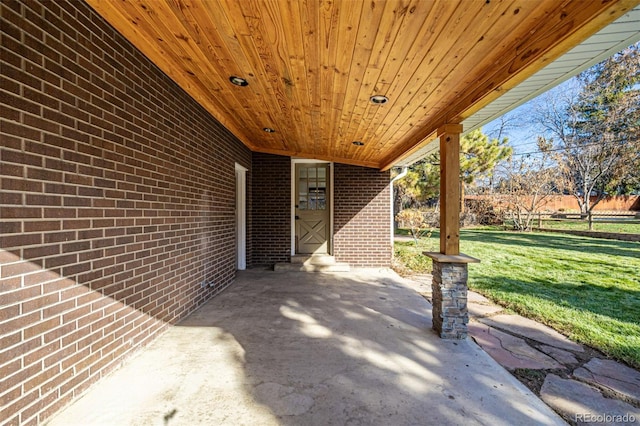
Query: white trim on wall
[(241, 217), (292, 205), (295, 161), (331, 211)]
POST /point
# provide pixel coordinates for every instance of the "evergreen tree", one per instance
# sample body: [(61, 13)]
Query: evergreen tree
[(478, 158)]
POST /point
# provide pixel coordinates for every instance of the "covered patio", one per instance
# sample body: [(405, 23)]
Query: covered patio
[(151, 151), (315, 349)]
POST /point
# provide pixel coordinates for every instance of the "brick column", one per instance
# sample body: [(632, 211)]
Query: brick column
[(449, 294)]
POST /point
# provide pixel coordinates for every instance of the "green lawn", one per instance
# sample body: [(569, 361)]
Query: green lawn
[(586, 288), (580, 225)]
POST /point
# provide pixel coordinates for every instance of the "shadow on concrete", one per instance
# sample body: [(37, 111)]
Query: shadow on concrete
[(312, 349)]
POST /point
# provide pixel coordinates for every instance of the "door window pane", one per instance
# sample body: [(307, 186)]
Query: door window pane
[(312, 188)]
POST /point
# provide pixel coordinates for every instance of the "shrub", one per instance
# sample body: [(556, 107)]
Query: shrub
[(414, 220)]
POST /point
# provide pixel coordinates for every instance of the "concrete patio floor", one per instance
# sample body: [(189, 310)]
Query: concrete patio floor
[(309, 349)]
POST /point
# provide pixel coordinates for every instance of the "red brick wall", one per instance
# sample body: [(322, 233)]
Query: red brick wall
[(117, 200), (362, 216), (271, 209)]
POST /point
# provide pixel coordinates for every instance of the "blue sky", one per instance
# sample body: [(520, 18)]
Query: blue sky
[(521, 128)]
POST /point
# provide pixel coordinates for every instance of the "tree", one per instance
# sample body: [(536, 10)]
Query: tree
[(529, 183), (598, 131), (478, 158), (419, 185), (479, 155)]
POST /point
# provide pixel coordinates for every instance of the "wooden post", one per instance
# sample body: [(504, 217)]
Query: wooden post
[(462, 195), (539, 219), (590, 222), (449, 135)]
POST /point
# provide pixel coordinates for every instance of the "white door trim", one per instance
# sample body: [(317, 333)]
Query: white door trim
[(241, 217), (295, 161)]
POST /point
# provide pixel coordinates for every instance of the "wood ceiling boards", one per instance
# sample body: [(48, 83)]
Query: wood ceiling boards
[(312, 65)]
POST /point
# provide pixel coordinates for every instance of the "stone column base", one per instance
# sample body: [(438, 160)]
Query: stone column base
[(449, 294)]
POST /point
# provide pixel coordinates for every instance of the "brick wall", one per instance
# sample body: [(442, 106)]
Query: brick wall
[(362, 216), (361, 213), (271, 209), (117, 197)]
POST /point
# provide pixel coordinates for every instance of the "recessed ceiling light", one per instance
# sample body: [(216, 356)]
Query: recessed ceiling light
[(358, 143), (268, 130), (379, 99), (238, 81)]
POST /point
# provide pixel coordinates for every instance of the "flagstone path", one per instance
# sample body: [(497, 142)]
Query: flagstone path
[(576, 381)]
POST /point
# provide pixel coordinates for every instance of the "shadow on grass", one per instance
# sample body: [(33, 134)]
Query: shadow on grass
[(553, 241), (562, 288), (553, 283), (585, 287), (605, 318), (613, 302)]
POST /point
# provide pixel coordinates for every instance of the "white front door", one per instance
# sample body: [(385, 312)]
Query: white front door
[(312, 208)]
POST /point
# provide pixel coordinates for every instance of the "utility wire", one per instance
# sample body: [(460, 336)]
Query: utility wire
[(523, 144), (563, 148)]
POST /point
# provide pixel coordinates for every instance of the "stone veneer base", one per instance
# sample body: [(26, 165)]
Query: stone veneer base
[(449, 294)]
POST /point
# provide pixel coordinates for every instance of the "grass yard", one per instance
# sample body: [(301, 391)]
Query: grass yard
[(586, 288), (578, 225)]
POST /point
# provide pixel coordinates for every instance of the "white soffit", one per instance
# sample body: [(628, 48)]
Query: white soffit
[(616, 36)]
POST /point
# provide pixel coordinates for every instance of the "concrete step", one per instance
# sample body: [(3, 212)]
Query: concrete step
[(301, 267), (313, 259)]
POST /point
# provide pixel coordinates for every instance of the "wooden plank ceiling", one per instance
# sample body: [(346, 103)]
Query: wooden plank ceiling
[(312, 65)]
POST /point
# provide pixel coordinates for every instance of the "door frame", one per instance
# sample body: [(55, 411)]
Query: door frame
[(241, 217), (295, 161)]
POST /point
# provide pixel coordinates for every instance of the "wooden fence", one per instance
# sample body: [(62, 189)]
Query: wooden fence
[(569, 202), (597, 217)]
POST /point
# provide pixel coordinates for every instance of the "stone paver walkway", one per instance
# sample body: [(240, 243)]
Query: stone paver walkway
[(577, 382)]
